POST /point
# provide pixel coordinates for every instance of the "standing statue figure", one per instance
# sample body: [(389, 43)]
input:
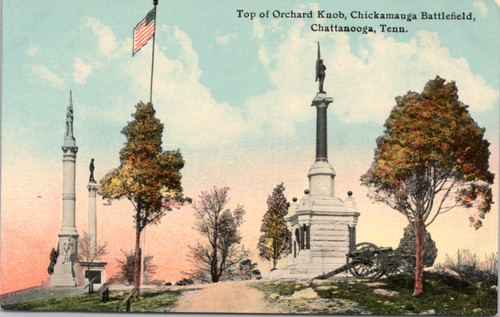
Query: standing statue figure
[(91, 168), (320, 71), (53, 260), (67, 250), (69, 118)]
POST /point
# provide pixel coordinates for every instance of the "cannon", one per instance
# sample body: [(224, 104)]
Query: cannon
[(368, 261)]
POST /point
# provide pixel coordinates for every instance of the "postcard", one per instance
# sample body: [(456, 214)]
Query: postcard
[(285, 157)]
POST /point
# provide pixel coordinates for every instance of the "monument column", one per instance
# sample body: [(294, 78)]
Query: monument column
[(68, 196), (64, 270), (92, 217), (95, 269), (321, 138), (321, 175)]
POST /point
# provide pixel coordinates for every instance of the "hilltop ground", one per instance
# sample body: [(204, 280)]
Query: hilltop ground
[(443, 295)]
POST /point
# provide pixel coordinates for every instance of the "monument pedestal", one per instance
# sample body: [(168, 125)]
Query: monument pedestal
[(64, 269), (65, 275), (323, 231), (92, 270)]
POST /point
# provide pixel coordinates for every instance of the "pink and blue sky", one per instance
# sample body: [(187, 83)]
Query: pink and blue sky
[(234, 95)]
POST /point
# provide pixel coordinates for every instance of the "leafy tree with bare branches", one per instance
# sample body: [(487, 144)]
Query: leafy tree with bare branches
[(221, 251), (431, 158), (90, 250)]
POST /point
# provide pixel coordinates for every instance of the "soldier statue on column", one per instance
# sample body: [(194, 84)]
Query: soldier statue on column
[(69, 122), (91, 168), (320, 71)]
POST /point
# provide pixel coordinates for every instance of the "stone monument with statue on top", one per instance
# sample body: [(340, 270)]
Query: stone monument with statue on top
[(91, 264), (64, 273), (322, 226), (65, 269)]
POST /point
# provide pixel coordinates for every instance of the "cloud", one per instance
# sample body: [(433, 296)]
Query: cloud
[(224, 40), (192, 117), (258, 29), (264, 56), (32, 50), (106, 38), (481, 7), (81, 71), (44, 73), (363, 80)]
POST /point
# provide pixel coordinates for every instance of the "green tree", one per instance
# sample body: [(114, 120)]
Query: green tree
[(431, 158), (148, 177), (274, 242), (222, 252), (246, 270)]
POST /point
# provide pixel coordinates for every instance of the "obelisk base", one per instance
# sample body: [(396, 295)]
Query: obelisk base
[(322, 179), (64, 275), (64, 269)]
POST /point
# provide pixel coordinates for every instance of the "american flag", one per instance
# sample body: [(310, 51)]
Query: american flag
[(144, 31)]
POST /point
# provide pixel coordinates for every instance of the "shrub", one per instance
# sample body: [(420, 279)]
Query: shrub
[(127, 266), (184, 281), (408, 249), (472, 269)]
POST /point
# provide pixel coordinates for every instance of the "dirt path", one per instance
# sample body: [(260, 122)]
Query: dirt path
[(225, 297)]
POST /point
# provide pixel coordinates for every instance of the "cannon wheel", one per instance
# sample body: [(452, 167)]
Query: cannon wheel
[(366, 261)]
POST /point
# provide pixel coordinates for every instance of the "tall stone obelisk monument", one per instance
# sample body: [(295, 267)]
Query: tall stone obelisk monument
[(94, 270), (92, 217), (322, 226), (64, 269)]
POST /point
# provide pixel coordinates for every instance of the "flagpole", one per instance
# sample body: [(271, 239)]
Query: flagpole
[(155, 3), (143, 253)]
